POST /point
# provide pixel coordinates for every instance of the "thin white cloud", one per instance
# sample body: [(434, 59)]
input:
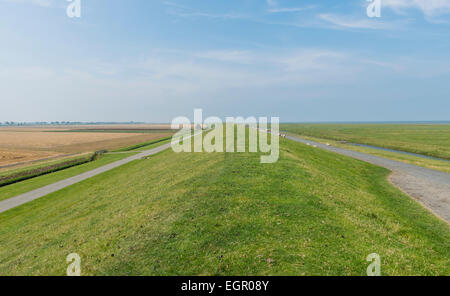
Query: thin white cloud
[(271, 2), (275, 8), (430, 8), (225, 16), (185, 74), (235, 56), (184, 80), (342, 21), (173, 4), (288, 9), (310, 59), (186, 12), (41, 3)]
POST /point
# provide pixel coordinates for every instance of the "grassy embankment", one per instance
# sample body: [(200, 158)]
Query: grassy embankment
[(430, 139), (311, 213)]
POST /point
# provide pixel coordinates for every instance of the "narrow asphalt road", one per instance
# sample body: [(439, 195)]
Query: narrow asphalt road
[(429, 187)]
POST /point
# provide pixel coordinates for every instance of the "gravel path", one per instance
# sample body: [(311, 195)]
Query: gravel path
[(429, 187)]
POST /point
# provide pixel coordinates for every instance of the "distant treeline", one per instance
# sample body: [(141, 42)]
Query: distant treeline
[(13, 123)]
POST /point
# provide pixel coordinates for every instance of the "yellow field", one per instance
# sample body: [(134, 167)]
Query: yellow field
[(11, 156), (21, 145)]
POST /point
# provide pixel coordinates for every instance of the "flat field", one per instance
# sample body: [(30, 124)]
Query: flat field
[(311, 213), (20, 146), (426, 139)]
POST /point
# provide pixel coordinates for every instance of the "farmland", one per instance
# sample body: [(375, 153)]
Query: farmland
[(28, 173), (20, 146), (427, 139), (313, 212), (46, 179)]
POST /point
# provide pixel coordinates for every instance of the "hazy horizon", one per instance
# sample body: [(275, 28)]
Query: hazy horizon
[(281, 122)]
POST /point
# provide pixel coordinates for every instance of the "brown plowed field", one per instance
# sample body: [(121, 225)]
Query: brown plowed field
[(18, 145)]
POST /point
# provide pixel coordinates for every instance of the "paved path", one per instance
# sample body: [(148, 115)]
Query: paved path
[(430, 187), (32, 195)]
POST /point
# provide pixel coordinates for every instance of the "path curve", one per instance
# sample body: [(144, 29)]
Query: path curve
[(429, 187)]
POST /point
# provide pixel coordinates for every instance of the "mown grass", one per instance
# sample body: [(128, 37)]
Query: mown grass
[(311, 213), (426, 139)]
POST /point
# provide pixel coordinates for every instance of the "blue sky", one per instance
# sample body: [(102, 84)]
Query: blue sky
[(154, 60)]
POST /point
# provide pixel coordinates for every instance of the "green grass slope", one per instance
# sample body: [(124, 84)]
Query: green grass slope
[(311, 213)]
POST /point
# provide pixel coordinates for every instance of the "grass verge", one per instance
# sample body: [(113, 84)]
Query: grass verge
[(36, 172), (439, 165), (40, 164), (145, 145), (427, 139)]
